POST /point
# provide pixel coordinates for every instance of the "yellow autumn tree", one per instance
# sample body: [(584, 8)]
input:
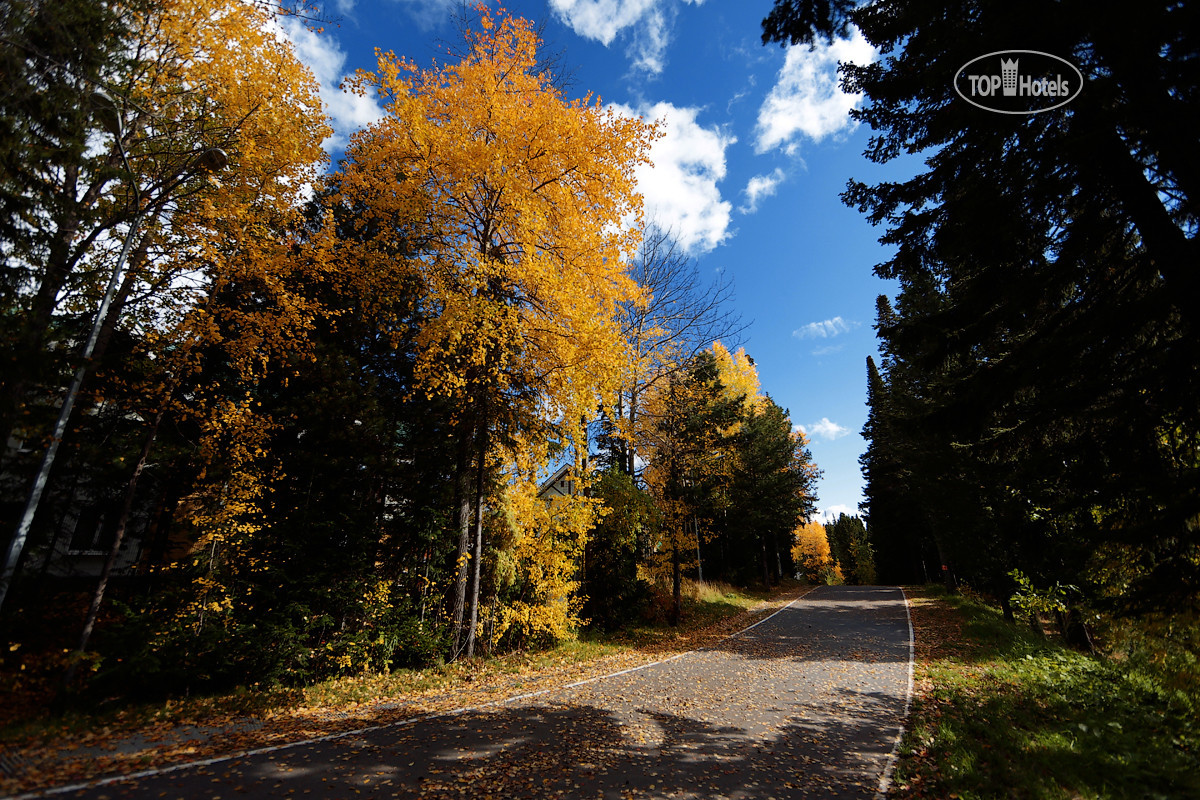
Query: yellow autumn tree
[(507, 204), (216, 77), (676, 318), (213, 128), (739, 377), (740, 387), (185, 89), (811, 553), (550, 535), (218, 132), (220, 75)]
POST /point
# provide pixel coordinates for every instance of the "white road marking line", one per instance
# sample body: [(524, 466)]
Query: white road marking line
[(885, 780)]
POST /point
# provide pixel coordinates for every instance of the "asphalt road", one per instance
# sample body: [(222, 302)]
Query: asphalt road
[(808, 703)]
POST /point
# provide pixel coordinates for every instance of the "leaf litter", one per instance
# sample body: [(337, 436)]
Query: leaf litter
[(57, 755)]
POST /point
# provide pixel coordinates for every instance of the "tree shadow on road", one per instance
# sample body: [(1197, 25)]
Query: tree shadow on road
[(691, 728), (570, 751)]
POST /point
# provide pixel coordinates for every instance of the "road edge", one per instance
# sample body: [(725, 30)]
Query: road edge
[(885, 780)]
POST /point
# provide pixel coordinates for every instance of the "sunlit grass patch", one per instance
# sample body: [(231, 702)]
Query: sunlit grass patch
[(705, 604), (711, 592), (1004, 712)]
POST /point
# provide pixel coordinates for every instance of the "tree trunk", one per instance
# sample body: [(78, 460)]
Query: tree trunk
[(1076, 632), (59, 524), (462, 501), (65, 251), (676, 585), (630, 467), (479, 480), (29, 343), (1172, 252), (137, 257), (168, 502), (948, 578), (778, 559), (1006, 607), (89, 623), (766, 570)]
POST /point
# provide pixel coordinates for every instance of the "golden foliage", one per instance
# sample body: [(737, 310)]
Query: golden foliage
[(812, 554), (507, 206), (549, 541), (739, 377), (520, 197), (680, 454), (214, 74)]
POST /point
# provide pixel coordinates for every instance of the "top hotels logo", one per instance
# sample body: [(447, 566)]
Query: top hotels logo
[(1008, 74), (1018, 82)]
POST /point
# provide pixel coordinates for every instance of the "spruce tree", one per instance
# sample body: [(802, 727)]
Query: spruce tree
[(1045, 327)]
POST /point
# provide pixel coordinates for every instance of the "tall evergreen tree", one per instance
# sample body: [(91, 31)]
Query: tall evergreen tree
[(771, 491), (1045, 326), (53, 58), (892, 513), (691, 417), (851, 548)]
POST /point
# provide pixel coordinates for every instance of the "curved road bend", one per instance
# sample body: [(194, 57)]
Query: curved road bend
[(807, 704)]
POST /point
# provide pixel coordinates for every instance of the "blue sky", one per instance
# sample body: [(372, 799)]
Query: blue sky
[(758, 147)]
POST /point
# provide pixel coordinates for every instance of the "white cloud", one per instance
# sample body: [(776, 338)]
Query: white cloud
[(428, 13), (759, 187), (807, 98), (680, 189), (321, 54), (824, 329), (831, 513), (646, 24), (602, 20), (825, 429)]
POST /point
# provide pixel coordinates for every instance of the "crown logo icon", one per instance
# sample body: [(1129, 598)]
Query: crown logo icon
[(1008, 76)]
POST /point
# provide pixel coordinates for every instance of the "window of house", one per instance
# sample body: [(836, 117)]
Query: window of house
[(95, 528)]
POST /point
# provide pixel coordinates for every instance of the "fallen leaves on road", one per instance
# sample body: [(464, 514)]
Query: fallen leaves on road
[(130, 744)]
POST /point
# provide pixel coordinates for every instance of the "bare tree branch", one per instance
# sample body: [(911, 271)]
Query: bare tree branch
[(680, 318)]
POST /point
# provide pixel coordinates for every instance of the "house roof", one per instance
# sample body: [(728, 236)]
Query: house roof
[(560, 474)]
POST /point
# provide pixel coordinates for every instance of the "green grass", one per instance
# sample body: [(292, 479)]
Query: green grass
[(1013, 714)]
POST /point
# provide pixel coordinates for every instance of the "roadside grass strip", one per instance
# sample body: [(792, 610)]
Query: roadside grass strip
[(1001, 711)]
